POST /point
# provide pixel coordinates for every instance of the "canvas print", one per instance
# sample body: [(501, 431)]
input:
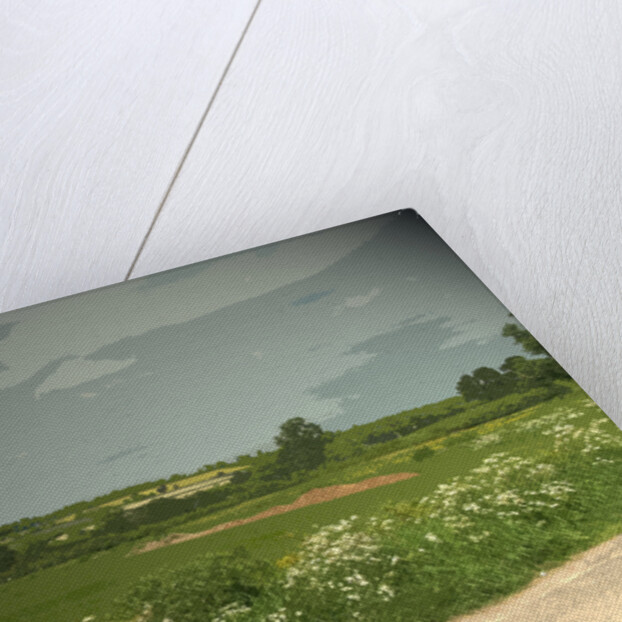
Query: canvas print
[(342, 426)]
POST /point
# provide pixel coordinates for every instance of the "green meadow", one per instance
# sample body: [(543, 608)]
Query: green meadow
[(502, 492)]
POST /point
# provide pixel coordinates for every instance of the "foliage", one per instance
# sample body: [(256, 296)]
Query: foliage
[(266, 475), (355, 442), (530, 373), (486, 384), (197, 590), (8, 558), (480, 412), (301, 445), (303, 449), (240, 477), (474, 538), (117, 521), (522, 337), (517, 374), (422, 454), (444, 552)]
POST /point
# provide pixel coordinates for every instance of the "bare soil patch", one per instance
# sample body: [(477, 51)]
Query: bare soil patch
[(317, 495)]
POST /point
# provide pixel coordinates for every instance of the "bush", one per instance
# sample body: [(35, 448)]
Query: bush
[(198, 591), (240, 477), (8, 557), (422, 453), (475, 537)]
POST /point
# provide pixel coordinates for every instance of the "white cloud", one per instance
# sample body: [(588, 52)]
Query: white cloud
[(356, 302), (479, 331), (78, 326)]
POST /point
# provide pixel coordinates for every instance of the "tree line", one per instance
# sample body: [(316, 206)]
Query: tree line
[(303, 447), (517, 374)]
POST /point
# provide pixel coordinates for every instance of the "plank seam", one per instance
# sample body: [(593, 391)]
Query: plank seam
[(184, 157)]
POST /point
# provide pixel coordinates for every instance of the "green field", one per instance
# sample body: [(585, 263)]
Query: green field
[(584, 456)]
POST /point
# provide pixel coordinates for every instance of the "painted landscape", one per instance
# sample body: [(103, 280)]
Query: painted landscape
[(382, 440)]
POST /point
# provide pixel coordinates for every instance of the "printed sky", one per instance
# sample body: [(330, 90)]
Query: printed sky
[(164, 374)]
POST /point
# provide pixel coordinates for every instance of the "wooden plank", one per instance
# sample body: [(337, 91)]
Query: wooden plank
[(499, 122), (98, 102)]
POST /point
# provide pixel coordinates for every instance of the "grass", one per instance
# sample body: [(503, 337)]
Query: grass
[(97, 581), (474, 538), (36, 597)]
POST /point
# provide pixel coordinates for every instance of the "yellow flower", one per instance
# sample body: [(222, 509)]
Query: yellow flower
[(287, 561)]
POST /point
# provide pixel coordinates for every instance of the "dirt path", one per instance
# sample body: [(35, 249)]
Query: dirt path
[(317, 495), (587, 588)]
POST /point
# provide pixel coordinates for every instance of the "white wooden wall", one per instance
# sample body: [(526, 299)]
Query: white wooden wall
[(139, 136)]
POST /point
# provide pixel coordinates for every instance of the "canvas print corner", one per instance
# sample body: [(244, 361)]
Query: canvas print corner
[(344, 426)]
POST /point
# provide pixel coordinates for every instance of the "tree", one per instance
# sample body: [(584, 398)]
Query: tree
[(522, 337), (117, 521), (239, 477), (517, 373), (301, 445), (485, 384), (547, 368)]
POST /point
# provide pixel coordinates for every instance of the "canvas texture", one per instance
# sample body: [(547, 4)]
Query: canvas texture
[(342, 426)]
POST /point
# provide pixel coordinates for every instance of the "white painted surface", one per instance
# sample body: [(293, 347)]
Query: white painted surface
[(98, 102), (499, 122)]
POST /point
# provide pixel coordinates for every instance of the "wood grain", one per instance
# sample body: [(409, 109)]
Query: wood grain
[(98, 102), (499, 122)]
